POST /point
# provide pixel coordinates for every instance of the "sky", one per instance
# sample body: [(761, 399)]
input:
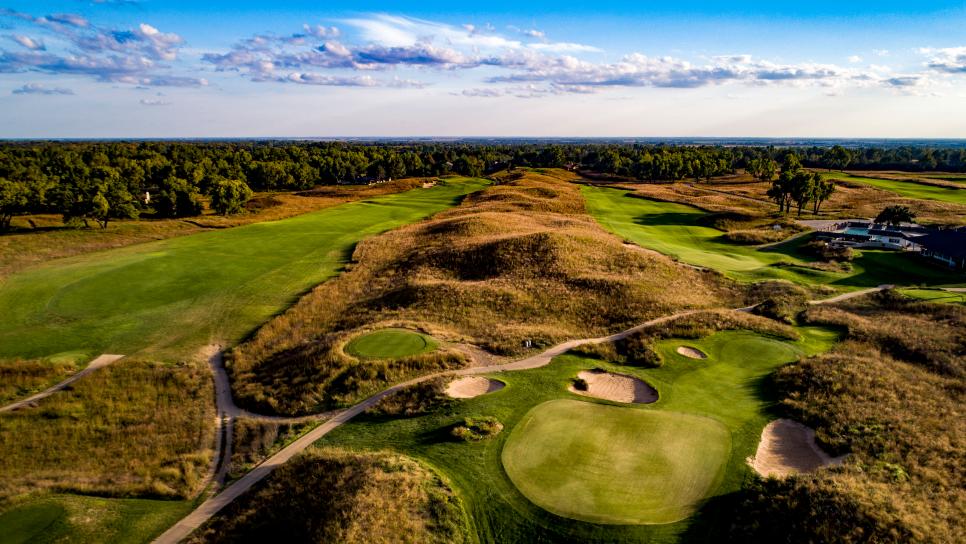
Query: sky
[(174, 68)]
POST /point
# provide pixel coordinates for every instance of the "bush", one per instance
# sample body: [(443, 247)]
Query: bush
[(228, 196), (475, 429), (414, 400), (778, 300), (581, 384), (828, 252)]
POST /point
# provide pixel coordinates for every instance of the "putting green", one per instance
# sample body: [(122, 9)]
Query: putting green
[(390, 344), (613, 465)]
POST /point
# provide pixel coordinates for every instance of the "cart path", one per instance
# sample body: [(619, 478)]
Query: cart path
[(212, 506), (99, 362)]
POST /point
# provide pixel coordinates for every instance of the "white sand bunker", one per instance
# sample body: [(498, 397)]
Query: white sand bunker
[(788, 447), (693, 353), (474, 386), (615, 387)]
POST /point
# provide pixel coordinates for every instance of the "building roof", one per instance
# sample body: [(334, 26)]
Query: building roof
[(949, 242)]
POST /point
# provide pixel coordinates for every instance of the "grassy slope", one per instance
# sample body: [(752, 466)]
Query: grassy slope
[(390, 343), (500, 513), (909, 189), (587, 461), (674, 229), (170, 295)]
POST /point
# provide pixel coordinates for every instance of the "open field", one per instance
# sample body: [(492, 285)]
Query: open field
[(169, 297), (50, 239), (906, 188), (519, 261), (677, 230), (736, 370), (390, 344), (586, 461)]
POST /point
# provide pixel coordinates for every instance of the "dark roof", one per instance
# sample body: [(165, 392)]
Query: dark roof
[(949, 242)]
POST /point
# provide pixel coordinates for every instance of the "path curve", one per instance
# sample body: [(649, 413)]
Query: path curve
[(100, 362), (853, 294), (212, 506)]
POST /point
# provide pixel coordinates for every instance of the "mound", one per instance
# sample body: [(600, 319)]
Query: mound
[(788, 447), (690, 352), (334, 496), (390, 344), (473, 386), (615, 387), (613, 465)]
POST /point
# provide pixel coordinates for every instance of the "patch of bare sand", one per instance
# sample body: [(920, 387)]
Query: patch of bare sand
[(473, 386), (788, 447), (693, 353), (615, 387)]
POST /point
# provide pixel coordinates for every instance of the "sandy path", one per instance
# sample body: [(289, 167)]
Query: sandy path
[(472, 386), (854, 294), (615, 387), (788, 447), (99, 362)]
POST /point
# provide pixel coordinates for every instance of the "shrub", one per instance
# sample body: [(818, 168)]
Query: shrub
[(581, 384), (778, 300), (414, 400), (828, 252), (474, 429)]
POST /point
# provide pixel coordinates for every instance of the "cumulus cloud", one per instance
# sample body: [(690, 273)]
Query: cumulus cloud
[(951, 60), (38, 88), (136, 55)]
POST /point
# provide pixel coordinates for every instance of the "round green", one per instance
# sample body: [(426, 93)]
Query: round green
[(614, 465), (390, 344)]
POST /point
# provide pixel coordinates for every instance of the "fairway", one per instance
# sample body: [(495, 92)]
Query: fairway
[(390, 344), (909, 189), (606, 464), (176, 295), (675, 230)]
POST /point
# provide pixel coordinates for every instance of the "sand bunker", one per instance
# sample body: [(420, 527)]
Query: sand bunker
[(474, 386), (615, 387), (788, 447), (693, 353)]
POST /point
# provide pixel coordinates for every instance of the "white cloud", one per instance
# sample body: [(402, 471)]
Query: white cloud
[(855, 59), (153, 102), (38, 88), (951, 60)]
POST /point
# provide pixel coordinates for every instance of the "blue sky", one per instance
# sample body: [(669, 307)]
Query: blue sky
[(147, 68)]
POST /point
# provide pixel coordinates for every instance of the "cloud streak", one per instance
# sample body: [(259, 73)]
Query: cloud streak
[(37, 88)]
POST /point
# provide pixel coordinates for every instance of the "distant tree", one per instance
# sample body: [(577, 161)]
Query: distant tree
[(894, 215), (837, 158), (228, 196), (177, 198), (763, 168), (15, 199)]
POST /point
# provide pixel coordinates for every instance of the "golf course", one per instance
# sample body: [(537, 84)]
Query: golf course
[(173, 296), (907, 189), (390, 344)]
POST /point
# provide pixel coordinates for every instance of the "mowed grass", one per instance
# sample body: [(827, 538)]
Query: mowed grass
[(731, 387), (74, 519), (908, 189), (936, 295), (610, 464), (390, 344), (170, 297), (676, 230)]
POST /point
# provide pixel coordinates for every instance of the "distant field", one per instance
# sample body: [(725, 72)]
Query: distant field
[(908, 189), (178, 294), (675, 230), (935, 295)]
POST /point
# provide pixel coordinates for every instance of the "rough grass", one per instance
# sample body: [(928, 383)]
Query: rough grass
[(256, 440), (678, 230), (909, 188), (892, 396), (130, 429), (170, 297), (586, 461), (390, 344), (22, 378), (519, 261), (335, 496), (50, 239)]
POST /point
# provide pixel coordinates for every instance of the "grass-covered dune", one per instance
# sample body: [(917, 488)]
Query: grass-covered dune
[(681, 231), (350, 498), (518, 261), (172, 296), (891, 395)]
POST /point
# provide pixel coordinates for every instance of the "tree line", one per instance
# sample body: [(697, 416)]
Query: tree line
[(102, 181)]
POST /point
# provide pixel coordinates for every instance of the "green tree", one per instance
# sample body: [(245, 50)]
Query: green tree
[(824, 189), (177, 198), (228, 196), (837, 158), (894, 215), (15, 199)]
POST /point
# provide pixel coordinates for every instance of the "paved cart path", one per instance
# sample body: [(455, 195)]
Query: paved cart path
[(99, 362)]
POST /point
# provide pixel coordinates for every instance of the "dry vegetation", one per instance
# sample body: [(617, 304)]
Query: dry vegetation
[(254, 441), (336, 496), (40, 238), (892, 396), (518, 261), (20, 378), (421, 398), (743, 197), (131, 429)]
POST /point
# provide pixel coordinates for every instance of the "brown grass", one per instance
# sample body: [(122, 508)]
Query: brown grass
[(131, 429), (519, 261), (254, 441), (51, 239), (338, 496), (22, 378), (891, 396)]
